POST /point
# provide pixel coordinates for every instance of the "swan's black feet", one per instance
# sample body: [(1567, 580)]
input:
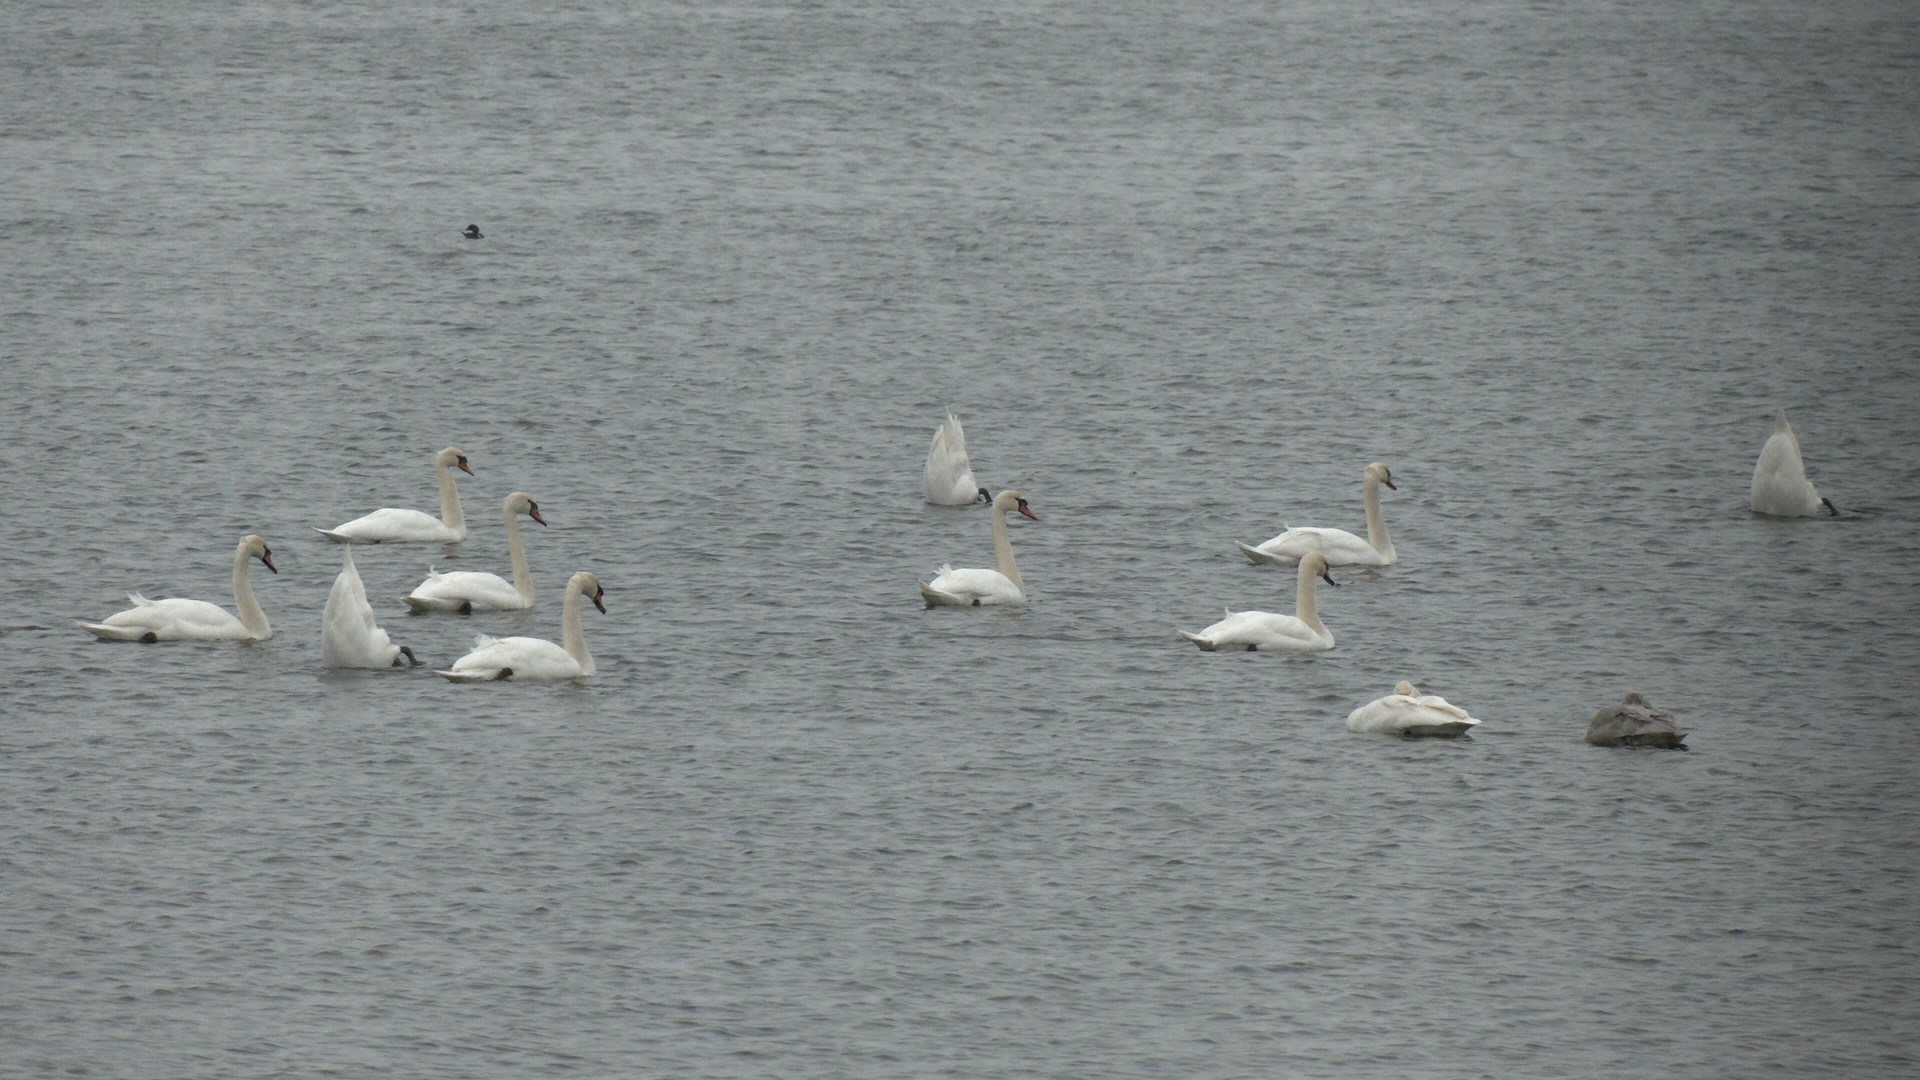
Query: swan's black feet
[(976, 602), (412, 660), (466, 607), (1253, 648), (505, 674), (149, 638)]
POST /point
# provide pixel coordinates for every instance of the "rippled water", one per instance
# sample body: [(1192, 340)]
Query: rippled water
[(1183, 270)]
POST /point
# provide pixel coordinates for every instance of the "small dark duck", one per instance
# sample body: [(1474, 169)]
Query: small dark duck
[(473, 233)]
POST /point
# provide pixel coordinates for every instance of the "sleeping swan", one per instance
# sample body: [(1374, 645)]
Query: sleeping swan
[(972, 588), (1633, 722), (1780, 485), (1263, 631), (1341, 548), (348, 636), (411, 526), (1406, 712), (195, 620), (526, 659)]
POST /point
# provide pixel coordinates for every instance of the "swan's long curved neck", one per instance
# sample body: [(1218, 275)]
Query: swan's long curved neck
[(522, 573), (1377, 537), (571, 637), (1304, 608), (450, 514), (251, 616), (1003, 550)]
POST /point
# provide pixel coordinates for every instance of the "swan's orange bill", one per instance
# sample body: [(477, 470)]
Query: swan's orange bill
[(1023, 509), (597, 594)]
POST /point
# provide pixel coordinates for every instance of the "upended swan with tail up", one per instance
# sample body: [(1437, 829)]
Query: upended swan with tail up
[(390, 526), (972, 588), (949, 475), (1409, 713), (195, 620), (468, 590), (349, 638), (1264, 631), (1341, 548), (1780, 484), (525, 659)]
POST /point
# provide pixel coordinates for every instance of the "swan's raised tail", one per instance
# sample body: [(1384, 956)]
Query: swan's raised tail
[(114, 633), (1205, 645), (1256, 556), (338, 538)]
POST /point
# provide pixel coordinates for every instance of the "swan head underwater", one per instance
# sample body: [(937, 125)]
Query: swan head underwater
[(256, 547)]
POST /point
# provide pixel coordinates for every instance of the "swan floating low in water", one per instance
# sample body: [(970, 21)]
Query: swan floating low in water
[(195, 620), (972, 588), (1633, 722), (949, 476), (348, 636), (467, 590), (1780, 485), (390, 526), (1341, 548), (1407, 712), (525, 659), (1264, 631)]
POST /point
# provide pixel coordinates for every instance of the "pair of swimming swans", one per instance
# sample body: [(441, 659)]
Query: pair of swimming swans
[(388, 525), (973, 588), (1341, 548), (1264, 631), (196, 620), (1780, 484)]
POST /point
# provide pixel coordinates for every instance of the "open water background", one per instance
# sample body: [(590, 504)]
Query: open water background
[(1183, 270)]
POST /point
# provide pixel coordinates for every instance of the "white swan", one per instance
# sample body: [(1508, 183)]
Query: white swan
[(195, 620), (348, 636), (467, 590), (1341, 548), (1263, 631), (1780, 485), (388, 525), (1407, 712), (964, 588), (949, 476), (526, 659), (1633, 722)]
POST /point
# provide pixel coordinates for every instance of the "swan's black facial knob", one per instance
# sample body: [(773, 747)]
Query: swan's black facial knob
[(1023, 509)]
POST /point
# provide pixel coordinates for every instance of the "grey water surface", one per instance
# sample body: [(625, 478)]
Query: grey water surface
[(1183, 269)]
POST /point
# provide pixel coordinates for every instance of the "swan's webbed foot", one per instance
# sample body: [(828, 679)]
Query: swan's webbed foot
[(466, 607), (976, 601), (1828, 503), (505, 674), (149, 638), (412, 660)]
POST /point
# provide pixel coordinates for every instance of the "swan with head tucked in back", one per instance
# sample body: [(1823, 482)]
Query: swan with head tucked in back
[(1408, 712), (972, 588), (525, 659), (390, 526), (1264, 631), (467, 590), (1634, 722), (1780, 484), (195, 620), (949, 475), (349, 638), (1340, 547)]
